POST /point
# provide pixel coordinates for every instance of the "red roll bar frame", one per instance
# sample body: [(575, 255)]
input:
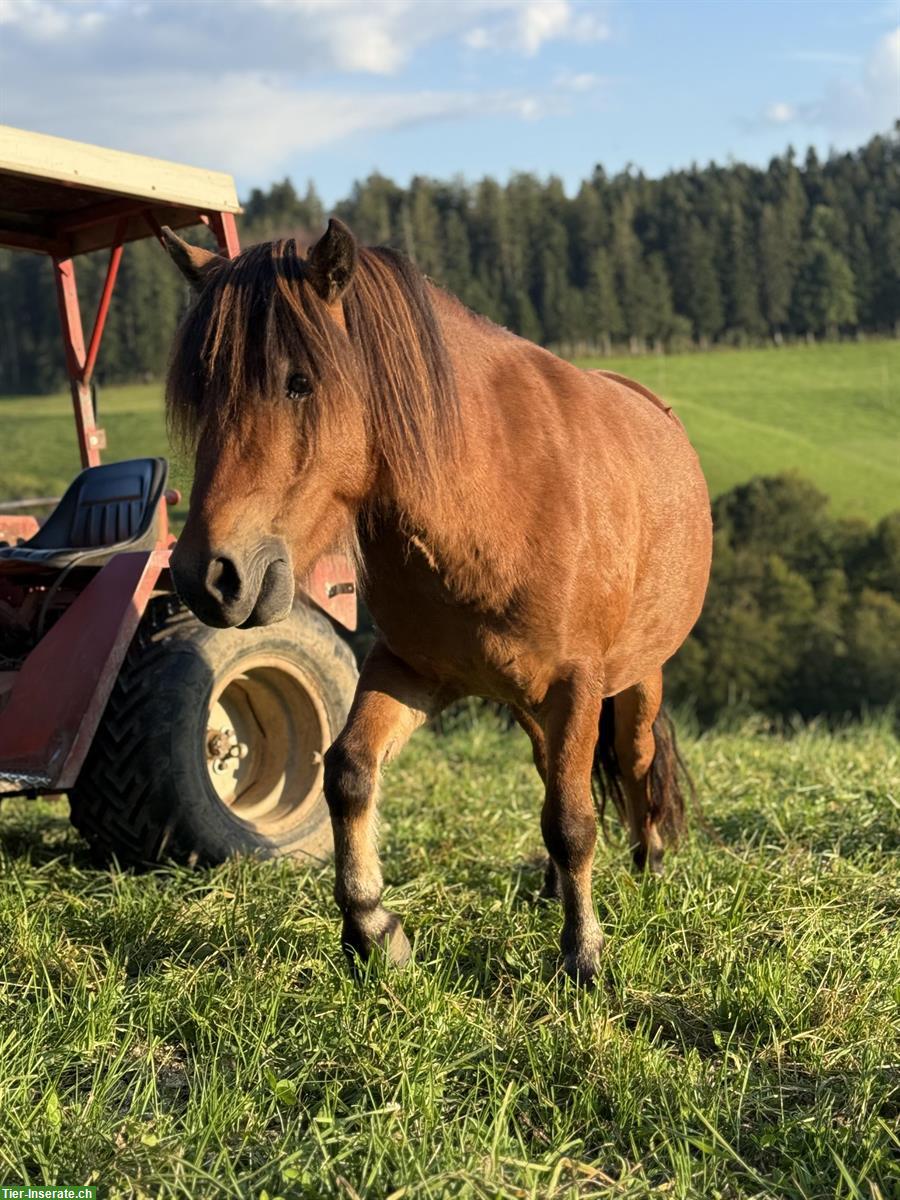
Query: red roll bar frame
[(80, 363)]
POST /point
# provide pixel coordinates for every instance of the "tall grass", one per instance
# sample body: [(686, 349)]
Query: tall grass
[(194, 1035)]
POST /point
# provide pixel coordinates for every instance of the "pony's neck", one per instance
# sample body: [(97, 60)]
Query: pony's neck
[(423, 497), (462, 519)]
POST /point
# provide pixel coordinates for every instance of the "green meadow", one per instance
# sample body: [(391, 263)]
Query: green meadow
[(191, 1035), (831, 412)]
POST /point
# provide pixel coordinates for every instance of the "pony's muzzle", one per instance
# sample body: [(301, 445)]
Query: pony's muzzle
[(275, 595), (224, 590)]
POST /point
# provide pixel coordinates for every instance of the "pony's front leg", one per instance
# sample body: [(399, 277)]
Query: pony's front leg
[(570, 717), (391, 702)]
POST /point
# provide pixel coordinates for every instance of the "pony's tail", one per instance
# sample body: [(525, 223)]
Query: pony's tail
[(670, 780)]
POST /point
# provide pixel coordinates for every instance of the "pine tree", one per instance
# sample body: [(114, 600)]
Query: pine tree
[(627, 267), (312, 210), (740, 273), (704, 301), (425, 227), (861, 264), (372, 209), (553, 292), (657, 299), (489, 239), (603, 317), (456, 274), (781, 239), (776, 273), (888, 273), (824, 296), (588, 231)]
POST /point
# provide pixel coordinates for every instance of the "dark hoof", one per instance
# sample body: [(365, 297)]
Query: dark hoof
[(582, 969), (582, 962), (651, 863), (378, 932)]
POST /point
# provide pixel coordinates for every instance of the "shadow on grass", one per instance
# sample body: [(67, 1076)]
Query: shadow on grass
[(40, 842), (836, 835)]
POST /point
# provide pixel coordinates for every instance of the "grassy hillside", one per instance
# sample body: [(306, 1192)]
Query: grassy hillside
[(196, 1034), (38, 452), (831, 412)]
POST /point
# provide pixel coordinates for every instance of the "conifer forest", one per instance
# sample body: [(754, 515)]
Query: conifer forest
[(727, 255)]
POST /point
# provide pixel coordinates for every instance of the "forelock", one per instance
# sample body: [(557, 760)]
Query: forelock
[(257, 318)]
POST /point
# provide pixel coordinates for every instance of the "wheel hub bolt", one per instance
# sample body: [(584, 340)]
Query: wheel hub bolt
[(222, 746)]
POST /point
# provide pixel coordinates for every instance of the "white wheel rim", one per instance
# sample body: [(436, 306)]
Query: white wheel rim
[(265, 735)]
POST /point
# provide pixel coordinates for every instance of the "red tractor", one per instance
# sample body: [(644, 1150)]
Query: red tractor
[(173, 740)]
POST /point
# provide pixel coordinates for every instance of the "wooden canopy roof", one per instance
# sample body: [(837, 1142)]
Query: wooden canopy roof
[(63, 198)]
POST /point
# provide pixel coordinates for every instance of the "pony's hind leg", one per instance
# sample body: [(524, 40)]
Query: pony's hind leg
[(568, 819), (649, 769), (550, 886), (391, 702)]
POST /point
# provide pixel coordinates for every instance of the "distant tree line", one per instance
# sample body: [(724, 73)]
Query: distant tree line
[(802, 616), (730, 255)]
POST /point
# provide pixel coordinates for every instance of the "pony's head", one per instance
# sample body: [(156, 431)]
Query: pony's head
[(307, 387)]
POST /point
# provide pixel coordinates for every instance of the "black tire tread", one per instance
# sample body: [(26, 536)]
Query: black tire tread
[(114, 803)]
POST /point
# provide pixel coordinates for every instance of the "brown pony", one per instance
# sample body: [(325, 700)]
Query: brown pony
[(526, 531)]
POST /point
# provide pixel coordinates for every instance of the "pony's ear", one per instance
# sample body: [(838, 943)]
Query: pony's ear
[(193, 262), (332, 261)]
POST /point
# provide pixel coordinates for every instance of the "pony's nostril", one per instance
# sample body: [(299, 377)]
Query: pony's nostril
[(223, 581)]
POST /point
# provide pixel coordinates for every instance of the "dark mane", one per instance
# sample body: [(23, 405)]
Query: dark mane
[(258, 318)]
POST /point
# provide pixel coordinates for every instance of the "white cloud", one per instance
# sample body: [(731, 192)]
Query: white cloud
[(881, 14), (883, 67), (780, 113), (252, 124), (478, 38), (858, 107), (247, 85), (850, 109), (527, 25), (245, 131), (376, 37), (48, 19), (354, 35), (579, 81)]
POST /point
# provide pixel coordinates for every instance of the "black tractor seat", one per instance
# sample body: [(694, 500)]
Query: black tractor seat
[(105, 511)]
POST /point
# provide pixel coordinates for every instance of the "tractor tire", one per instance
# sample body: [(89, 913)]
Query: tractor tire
[(212, 741)]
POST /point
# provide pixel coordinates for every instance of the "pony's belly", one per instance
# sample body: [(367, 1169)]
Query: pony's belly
[(613, 591), (662, 613), (464, 654), (629, 664)]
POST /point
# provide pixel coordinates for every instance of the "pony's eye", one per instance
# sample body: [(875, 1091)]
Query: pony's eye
[(297, 386)]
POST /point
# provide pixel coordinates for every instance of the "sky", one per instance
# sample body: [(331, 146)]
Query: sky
[(332, 90)]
